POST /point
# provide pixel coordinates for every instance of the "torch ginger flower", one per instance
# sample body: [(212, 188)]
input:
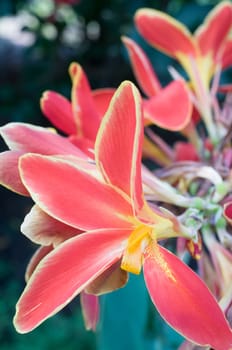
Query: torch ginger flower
[(121, 231)]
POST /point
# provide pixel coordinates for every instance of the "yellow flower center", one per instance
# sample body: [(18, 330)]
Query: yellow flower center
[(142, 236), (133, 255)]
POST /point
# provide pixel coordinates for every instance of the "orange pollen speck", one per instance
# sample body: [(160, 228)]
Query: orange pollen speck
[(133, 255)]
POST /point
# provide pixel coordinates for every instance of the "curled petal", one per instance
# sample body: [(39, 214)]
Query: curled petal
[(85, 113), (102, 98), (165, 33), (90, 310), (43, 229), (159, 109), (29, 138), (71, 195), (59, 111), (142, 68), (184, 301), (9, 173), (64, 273), (212, 34)]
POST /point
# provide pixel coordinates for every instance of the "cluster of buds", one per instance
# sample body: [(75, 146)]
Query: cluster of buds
[(100, 213)]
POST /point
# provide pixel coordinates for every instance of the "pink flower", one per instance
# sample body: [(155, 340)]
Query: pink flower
[(204, 50), (202, 54), (121, 233)]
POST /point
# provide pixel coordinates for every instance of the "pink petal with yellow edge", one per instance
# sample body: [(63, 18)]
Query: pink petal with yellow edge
[(59, 111), (102, 98), (84, 111), (164, 32), (29, 138), (9, 173), (64, 273), (184, 301), (159, 109), (42, 229), (90, 310), (142, 67), (226, 60), (39, 254), (118, 145), (72, 196), (212, 34)]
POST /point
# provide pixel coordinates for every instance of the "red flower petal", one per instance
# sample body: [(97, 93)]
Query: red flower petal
[(142, 68), (119, 141), (45, 230), (29, 138), (85, 113), (71, 195), (102, 98), (226, 60), (84, 144), (185, 151), (64, 273), (184, 301), (159, 109), (165, 33), (59, 111), (212, 33), (9, 173)]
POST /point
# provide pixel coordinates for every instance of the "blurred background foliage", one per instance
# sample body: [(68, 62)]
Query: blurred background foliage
[(38, 40)]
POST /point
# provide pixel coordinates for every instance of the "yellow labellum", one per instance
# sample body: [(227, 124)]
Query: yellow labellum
[(133, 255)]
